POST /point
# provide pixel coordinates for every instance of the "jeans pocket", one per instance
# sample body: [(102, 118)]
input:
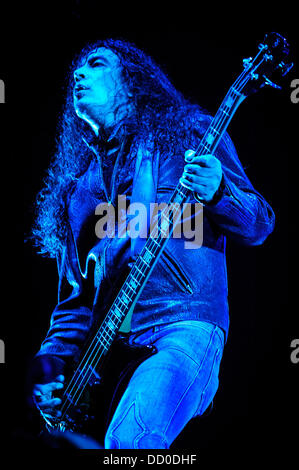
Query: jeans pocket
[(142, 336)]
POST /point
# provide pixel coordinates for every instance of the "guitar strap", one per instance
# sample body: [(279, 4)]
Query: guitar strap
[(144, 191)]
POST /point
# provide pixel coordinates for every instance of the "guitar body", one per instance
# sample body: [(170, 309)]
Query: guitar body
[(104, 390)]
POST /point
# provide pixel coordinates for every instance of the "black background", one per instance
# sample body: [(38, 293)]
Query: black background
[(255, 413)]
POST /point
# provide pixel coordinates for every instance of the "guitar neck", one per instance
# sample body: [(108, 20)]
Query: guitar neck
[(124, 303), (154, 246), (149, 255), (220, 122), (122, 308)]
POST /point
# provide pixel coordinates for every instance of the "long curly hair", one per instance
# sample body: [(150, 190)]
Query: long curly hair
[(162, 114)]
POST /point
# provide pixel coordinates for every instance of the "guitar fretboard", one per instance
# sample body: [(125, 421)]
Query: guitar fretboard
[(150, 253), (153, 248)]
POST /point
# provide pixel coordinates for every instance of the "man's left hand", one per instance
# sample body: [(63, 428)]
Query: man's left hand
[(202, 175)]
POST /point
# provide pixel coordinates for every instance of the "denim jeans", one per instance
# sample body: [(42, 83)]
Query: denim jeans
[(171, 387)]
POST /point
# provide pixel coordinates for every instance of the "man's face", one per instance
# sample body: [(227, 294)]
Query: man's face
[(98, 87)]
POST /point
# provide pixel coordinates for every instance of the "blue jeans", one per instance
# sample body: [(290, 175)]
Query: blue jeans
[(169, 388)]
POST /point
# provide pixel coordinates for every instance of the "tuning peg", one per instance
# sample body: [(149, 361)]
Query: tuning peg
[(269, 83), (285, 68), (247, 62)]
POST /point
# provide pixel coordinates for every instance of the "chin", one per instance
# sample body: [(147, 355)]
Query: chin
[(81, 109)]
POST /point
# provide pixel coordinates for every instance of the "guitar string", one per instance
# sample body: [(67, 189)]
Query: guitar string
[(246, 75), (207, 149), (96, 340), (218, 125), (214, 128), (92, 359), (95, 358), (138, 276), (88, 366), (104, 326)]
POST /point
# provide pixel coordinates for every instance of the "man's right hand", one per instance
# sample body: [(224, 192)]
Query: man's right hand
[(43, 397)]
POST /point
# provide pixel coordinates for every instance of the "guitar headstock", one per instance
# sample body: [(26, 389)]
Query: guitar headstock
[(271, 61)]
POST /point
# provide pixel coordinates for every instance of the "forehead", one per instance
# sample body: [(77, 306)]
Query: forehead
[(102, 52)]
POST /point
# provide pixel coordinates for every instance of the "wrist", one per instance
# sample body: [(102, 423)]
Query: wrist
[(217, 195)]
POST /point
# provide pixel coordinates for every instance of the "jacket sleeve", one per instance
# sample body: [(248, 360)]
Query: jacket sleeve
[(71, 319), (240, 211)]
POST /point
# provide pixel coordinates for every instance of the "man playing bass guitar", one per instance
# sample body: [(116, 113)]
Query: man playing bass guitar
[(126, 131)]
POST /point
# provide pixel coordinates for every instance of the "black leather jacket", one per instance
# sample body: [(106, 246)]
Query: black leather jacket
[(186, 283)]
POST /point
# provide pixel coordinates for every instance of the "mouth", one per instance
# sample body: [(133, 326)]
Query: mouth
[(79, 88)]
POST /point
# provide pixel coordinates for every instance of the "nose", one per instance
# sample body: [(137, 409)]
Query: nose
[(79, 74)]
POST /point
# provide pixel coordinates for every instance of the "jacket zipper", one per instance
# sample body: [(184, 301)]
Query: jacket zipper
[(177, 271), (171, 264)]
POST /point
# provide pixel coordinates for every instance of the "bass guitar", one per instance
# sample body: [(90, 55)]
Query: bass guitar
[(90, 373)]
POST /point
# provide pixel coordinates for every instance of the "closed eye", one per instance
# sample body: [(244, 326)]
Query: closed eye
[(96, 62)]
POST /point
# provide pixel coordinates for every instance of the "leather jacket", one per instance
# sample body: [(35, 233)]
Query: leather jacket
[(186, 284)]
